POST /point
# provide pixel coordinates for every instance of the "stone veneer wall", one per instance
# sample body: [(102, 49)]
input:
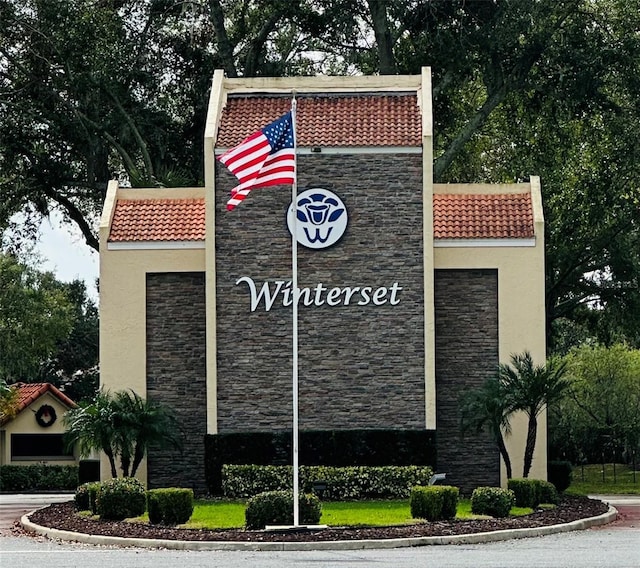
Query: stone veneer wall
[(360, 366), (176, 374), (466, 311)]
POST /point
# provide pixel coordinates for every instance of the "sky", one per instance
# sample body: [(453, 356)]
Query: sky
[(64, 252)]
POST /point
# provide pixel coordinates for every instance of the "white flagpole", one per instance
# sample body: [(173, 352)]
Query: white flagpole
[(294, 286)]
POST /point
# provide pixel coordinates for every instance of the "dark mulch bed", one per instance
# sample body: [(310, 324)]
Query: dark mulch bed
[(63, 516)]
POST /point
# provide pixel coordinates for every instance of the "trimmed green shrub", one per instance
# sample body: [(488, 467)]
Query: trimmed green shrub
[(546, 492), (276, 508), (85, 497), (493, 501), (532, 492), (450, 496), (169, 505), (121, 498), (343, 483), (560, 473), (15, 478), (40, 477), (434, 503), (525, 491)]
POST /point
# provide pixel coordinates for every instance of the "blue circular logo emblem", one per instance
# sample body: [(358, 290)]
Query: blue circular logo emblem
[(320, 218)]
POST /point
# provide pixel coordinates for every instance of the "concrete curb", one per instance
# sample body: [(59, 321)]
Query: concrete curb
[(475, 538)]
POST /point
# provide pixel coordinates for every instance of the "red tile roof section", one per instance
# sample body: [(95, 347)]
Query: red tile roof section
[(335, 121), (454, 217), (30, 392), (158, 220), (500, 216)]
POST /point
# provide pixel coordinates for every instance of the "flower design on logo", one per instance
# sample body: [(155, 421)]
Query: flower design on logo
[(321, 218)]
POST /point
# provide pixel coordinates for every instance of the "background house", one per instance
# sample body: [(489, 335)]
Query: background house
[(35, 433)]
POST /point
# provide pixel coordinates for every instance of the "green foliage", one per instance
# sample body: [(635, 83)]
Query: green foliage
[(488, 407), (73, 366), (35, 314), (530, 387), (601, 418), (546, 492), (560, 473), (492, 501), (39, 477), (9, 396), (525, 492), (276, 508), (434, 503), (343, 483), (170, 505), (531, 492), (122, 425), (85, 497), (121, 498), (606, 479)]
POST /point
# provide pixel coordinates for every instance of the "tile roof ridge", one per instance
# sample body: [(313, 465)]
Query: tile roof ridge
[(39, 389)]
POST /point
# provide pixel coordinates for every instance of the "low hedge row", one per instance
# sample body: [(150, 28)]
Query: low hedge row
[(342, 483), (38, 477)]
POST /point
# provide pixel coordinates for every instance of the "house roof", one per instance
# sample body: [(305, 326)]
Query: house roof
[(158, 220), (30, 392), (495, 216), (333, 120)]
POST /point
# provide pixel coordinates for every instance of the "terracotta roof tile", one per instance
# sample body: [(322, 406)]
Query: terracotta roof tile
[(29, 392), (158, 220), (499, 216), (454, 216), (356, 120)]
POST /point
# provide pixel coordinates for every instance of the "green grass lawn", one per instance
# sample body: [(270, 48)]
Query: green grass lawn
[(607, 479), (230, 514)]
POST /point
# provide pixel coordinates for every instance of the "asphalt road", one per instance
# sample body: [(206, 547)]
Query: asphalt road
[(611, 546)]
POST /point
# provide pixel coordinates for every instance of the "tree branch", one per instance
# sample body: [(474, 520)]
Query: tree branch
[(224, 45)]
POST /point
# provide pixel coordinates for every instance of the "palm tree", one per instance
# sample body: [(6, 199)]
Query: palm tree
[(93, 427), (143, 423), (487, 407), (530, 388), (122, 425)]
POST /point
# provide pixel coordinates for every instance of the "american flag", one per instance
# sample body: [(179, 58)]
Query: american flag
[(265, 158)]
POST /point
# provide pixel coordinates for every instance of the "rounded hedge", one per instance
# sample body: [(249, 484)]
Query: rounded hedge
[(121, 498), (169, 505), (434, 502), (492, 501), (276, 508)]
